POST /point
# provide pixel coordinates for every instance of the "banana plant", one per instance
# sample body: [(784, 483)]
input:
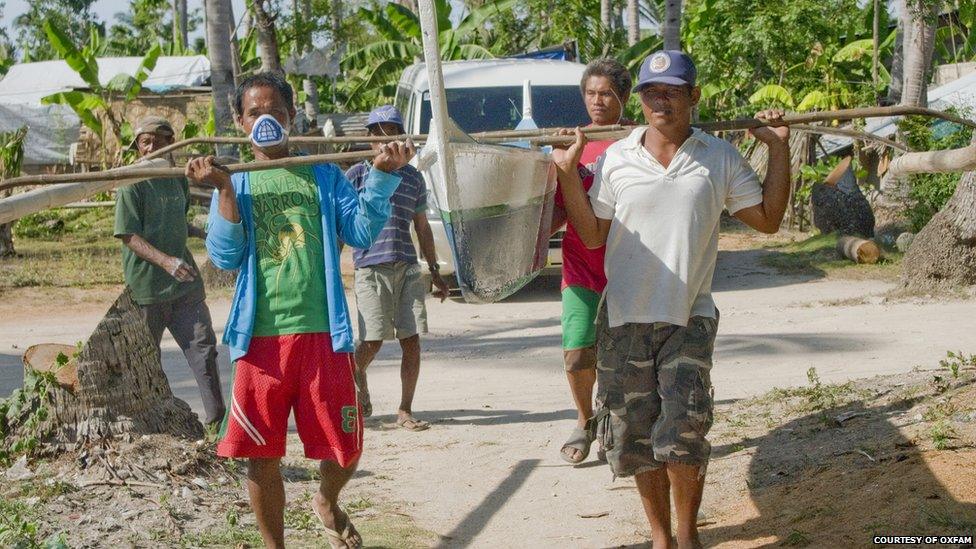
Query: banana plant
[(377, 66), (94, 105)]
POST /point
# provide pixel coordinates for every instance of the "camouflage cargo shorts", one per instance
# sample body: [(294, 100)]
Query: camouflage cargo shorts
[(655, 388)]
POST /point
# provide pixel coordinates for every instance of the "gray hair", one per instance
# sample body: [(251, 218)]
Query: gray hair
[(612, 70)]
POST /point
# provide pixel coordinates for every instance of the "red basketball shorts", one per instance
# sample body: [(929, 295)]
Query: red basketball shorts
[(297, 372)]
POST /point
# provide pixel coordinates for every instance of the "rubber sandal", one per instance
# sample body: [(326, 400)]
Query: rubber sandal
[(337, 540), (413, 424), (579, 439)]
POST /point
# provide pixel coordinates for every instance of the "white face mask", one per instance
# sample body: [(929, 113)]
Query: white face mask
[(267, 133)]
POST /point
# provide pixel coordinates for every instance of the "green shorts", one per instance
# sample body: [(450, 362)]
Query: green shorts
[(579, 314)]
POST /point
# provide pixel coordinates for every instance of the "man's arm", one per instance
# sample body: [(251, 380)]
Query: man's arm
[(360, 216), (559, 218), (425, 236), (175, 266), (592, 230), (768, 214), (226, 238)]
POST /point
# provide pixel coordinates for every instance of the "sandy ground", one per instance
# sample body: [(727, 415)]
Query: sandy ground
[(488, 473)]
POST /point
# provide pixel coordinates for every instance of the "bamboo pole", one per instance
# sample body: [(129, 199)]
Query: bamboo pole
[(951, 160), (550, 135), (153, 172), (75, 187), (839, 115), (502, 135)]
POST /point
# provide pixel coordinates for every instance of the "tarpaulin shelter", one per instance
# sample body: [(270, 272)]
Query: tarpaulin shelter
[(53, 128)]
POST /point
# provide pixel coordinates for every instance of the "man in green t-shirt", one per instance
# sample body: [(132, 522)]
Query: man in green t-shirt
[(150, 219)]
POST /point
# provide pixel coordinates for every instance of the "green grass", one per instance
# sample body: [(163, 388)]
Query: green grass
[(818, 256), (82, 253)]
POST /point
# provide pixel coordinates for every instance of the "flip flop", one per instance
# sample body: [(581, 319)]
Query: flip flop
[(412, 424), (579, 439), (337, 540), (363, 391)]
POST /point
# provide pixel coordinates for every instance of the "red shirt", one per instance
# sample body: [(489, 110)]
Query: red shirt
[(581, 265)]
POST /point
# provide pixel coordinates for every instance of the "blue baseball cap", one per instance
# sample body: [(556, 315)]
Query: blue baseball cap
[(386, 113), (667, 67)]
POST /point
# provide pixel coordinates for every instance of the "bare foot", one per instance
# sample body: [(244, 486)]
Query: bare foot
[(334, 519)]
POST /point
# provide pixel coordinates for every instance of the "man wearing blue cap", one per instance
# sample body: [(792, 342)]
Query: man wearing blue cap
[(655, 203), (389, 288)]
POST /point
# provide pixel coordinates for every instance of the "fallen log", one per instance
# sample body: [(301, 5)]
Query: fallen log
[(858, 249), (950, 160)]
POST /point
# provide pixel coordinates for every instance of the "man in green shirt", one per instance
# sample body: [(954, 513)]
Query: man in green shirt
[(150, 219)]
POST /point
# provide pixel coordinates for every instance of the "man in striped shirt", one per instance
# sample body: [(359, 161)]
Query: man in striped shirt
[(389, 289)]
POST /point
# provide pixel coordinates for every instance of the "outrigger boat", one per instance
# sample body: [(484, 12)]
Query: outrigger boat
[(496, 201)]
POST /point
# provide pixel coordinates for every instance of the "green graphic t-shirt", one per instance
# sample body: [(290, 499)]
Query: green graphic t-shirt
[(291, 257), (156, 211)]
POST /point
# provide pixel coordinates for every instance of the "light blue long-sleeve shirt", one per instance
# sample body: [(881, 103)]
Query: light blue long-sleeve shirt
[(356, 218)]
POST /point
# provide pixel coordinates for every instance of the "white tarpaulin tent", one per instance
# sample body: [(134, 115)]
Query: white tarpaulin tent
[(959, 94), (52, 128)]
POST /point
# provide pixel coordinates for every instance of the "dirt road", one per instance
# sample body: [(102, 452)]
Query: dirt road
[(488, 473)]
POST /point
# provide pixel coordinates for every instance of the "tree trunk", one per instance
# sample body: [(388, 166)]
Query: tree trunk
[(308, 85), (875, 54), (897, 59), (839, 205), (943, 254), (605, 13), (633, 23), (114, 386), (180, 23), (264, 22), (671, 28), (7, 237), (858, 250), (918, 55), (219, 29)]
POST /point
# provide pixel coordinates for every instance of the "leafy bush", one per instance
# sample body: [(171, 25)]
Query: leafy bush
[(930, 191)]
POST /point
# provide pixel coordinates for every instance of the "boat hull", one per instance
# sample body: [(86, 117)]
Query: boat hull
[(497, 217)]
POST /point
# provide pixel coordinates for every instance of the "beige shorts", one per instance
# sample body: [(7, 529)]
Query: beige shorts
[(390, 301)]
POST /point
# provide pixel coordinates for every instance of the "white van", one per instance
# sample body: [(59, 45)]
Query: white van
[(486, 95)]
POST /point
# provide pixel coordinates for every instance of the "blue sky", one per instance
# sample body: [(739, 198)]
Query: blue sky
[(104, 9)]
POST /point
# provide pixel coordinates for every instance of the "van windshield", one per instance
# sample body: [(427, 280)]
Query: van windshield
[(500, 108)]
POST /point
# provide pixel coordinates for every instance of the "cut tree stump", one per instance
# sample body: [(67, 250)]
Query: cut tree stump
[(114, 386), (839, 205), (858, 250)]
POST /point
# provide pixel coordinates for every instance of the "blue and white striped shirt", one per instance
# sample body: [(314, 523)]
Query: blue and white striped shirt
[(394, 242)]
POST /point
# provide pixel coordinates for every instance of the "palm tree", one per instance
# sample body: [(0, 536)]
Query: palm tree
[(633, 23), (264, 23), (671, 28), (219, 29), (605, 13), (920, 39), (379, 64), (180, 23)]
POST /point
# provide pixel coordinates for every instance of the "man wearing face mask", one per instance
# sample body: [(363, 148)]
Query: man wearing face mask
[(656, 203), (389, 289), (289, 331), (605, 87), (150, 220)]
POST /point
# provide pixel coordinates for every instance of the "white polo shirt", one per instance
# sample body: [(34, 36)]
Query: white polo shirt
[(663, 239)]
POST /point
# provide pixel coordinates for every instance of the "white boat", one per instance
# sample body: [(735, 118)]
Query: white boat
[(495, 201)]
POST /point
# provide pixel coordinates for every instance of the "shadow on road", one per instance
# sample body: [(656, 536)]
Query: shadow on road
[(476, 519), (485, 416)]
